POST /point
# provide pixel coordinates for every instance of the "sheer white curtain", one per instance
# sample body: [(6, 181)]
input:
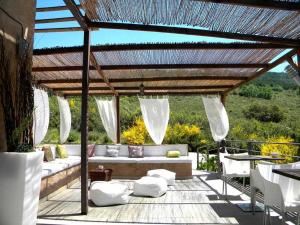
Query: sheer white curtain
[(108, 114), (40, 115), (65, 119), (217, 117), (156, 117)]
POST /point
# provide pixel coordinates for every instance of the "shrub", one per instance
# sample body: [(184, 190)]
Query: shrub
[(284, 151), (264, 113), (52, 136), (184, 134), (255, 91), (74, 137), (137, 134), (210, 164)]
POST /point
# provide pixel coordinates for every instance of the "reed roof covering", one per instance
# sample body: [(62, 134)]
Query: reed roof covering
[(161, 68), (272, 26), (210, 15)]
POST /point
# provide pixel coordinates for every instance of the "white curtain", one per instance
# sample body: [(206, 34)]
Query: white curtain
[(40, 115), (108, 114), (65, 119), (217, 117), (156, 117)]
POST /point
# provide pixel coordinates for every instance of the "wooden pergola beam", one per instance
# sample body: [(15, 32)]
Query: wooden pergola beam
[(145, 79), (151, 66), (55, 20), (146, 93), (263, 71), (54, 8), (77, 14), (160, 46), (62, 29), (294, 65), (194, 31), (100, 72), (120, 88), (278, 5)]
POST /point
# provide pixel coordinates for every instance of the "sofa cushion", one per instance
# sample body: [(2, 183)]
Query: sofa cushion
[(61, 151), (112, 150), (48, 156), (73, 149), (173, 154), (91, 150), (161, 150), (163, 159), (136, 151), (119, 159)]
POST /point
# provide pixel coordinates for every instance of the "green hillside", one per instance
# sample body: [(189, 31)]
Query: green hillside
[(278, 100)]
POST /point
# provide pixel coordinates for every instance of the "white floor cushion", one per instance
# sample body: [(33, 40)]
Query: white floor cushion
[(104, 193), (166, 174), (150, 186)]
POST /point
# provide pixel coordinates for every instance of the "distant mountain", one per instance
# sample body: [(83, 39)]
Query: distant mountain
[(274, 79)]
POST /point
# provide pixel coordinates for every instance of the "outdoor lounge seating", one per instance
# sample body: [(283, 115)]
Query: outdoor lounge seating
[(60, 172), (165, 174), (154, 158), (108, 193), (150, 186)]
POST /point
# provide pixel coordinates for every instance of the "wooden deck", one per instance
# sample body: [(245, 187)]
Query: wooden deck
[(191, 201)]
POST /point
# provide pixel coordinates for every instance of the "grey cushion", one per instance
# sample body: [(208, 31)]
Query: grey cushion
[(112, 151), (136, 151)]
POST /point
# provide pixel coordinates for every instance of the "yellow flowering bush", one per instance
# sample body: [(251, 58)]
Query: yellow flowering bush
[(137, 134), (183, 134), (72, 103), (177, 134), (284, 151)]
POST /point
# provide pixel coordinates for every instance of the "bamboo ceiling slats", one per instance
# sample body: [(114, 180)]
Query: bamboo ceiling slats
[(203, 14), (183, 66)]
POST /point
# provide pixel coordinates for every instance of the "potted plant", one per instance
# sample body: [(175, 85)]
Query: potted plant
[(20, 166)]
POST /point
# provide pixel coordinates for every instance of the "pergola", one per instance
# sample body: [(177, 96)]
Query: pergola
[(270, 31)]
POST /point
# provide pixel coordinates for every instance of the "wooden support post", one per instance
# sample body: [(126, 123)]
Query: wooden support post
[(84, 123), (118, 119), (223, 98)]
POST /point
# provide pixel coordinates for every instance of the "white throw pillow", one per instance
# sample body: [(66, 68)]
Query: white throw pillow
[(150, 186), (112, 150), (104, 193), (165, 174)]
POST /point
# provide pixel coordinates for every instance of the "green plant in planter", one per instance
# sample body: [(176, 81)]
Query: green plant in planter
[(24, 147)]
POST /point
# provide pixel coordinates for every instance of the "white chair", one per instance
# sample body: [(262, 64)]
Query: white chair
[(257, 176), (233, 168), (282, 192)]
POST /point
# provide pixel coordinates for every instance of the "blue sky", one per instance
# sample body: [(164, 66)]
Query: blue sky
[(108, 36)]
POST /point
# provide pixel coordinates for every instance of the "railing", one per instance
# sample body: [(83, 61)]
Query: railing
[(238, 146)]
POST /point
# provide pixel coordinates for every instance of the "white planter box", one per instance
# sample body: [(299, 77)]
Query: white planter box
[(20, 181)]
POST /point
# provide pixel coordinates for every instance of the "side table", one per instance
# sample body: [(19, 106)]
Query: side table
[(100, 175)]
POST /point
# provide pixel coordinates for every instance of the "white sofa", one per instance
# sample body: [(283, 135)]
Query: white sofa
[(154, 158), (60, 172)]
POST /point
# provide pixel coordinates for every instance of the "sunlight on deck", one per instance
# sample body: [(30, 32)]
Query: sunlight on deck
[(195, 201)]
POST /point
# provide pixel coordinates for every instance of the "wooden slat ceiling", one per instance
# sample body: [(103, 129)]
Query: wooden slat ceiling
[(171, 68), (197, 67), (210, 15)]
